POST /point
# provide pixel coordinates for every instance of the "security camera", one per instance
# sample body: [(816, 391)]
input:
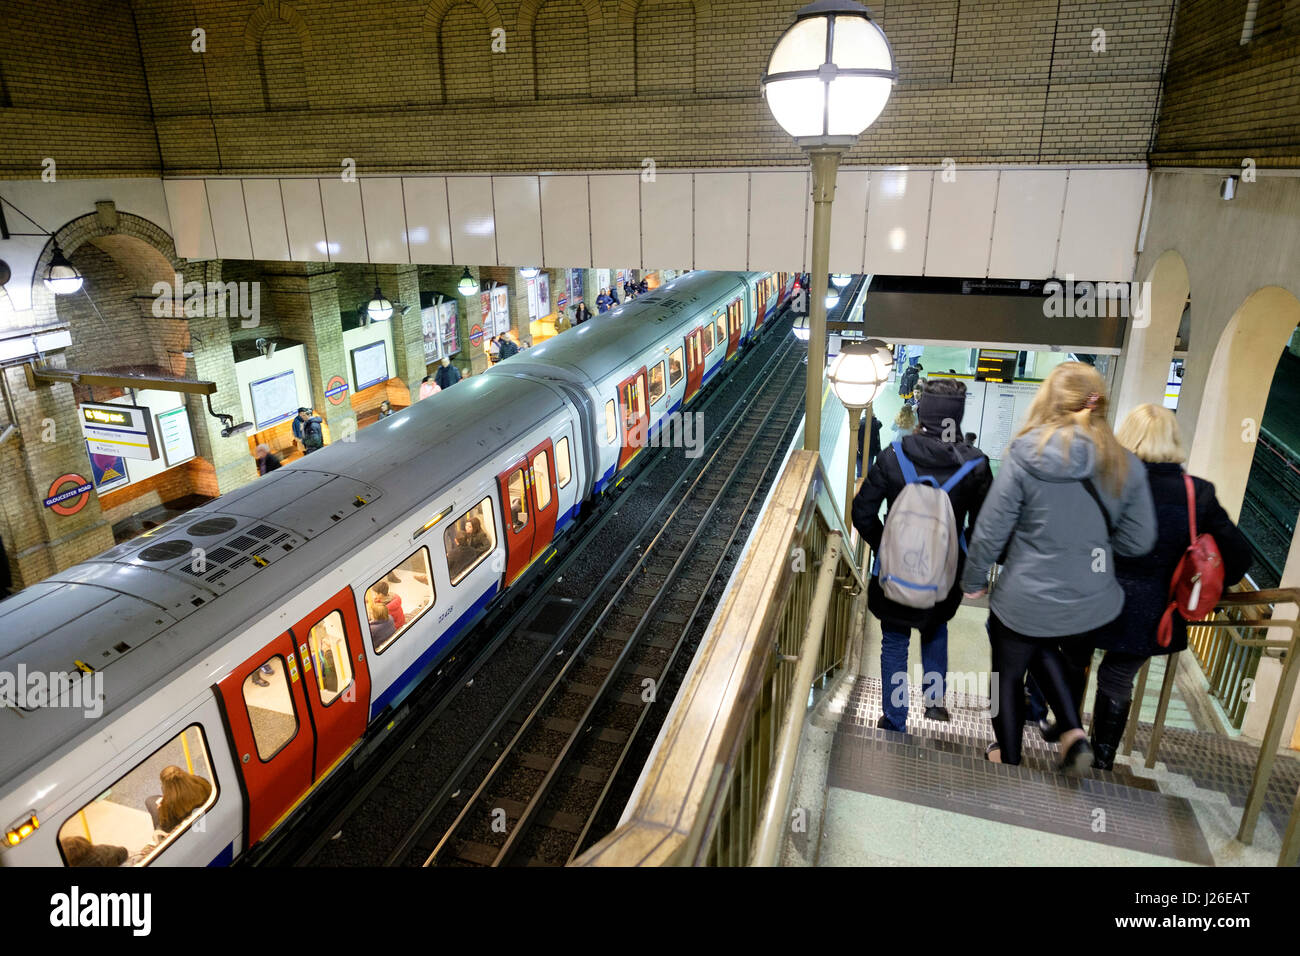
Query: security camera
[(1228, 188)]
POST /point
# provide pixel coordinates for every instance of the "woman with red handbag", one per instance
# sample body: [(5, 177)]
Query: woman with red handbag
[(1166, 582)]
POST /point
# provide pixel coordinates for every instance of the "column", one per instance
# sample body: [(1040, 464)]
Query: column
[(401, 283)]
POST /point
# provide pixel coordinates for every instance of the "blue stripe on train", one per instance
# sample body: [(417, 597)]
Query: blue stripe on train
[(225, 857), (425, 663), (604, 479)]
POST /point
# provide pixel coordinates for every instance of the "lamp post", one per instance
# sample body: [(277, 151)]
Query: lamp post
[(62, 277), (828, 78), (857, 375)]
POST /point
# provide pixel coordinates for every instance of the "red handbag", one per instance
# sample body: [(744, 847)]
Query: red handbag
[(1197, 584)]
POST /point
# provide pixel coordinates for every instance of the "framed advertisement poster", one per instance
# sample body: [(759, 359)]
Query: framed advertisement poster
[(447, 323), (430, 327), (543, 295), (108, 471), (501, 310), (485, 309), (533, 314)]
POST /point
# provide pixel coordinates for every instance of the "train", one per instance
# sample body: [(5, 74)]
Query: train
[(203, 679)]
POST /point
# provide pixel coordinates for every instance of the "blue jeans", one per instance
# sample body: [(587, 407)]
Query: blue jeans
[(893, 670)]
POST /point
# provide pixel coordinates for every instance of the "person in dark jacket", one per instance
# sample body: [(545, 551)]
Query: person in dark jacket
[(941, 406), (581, 313), (1067, 498), (907, 383), (603, 301), (447, 374), (508, 348), (873, 450), (306, 428), (267, 461), (1151, 433)]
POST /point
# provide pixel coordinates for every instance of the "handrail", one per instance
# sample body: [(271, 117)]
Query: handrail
[(1289, 650), (716, 764)]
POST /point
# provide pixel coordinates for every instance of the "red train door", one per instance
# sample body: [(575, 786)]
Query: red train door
[(335, 677), (546, 508), (694, 364), (734, 313), (516, 506), (634, 415)]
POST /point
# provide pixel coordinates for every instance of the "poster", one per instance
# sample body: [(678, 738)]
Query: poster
[(107, 471), (532, 300), (500, 310), (575, 286), (543, 295), (485, 312), (447, 320), (602, 279), (430, 327)]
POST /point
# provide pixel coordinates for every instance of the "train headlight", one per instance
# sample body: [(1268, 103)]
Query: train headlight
[(21, 830)]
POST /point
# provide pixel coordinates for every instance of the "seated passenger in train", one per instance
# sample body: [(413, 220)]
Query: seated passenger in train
[(476, 539), (518, 514), (393, 602), (81, 852), (182, 794), (674, 368), (381, 622)]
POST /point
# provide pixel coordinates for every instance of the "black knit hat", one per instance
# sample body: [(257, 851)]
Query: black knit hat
[(935, 411)]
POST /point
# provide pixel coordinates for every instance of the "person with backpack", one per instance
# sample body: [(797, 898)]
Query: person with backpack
[(907, 383), (1153, 623), (934, 486), (307, 429), (508, 348), (1067, 499)]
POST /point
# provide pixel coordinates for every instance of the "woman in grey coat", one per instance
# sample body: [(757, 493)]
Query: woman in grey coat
[(1067, 499)]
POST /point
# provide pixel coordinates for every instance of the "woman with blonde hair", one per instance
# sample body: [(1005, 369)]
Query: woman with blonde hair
[(905, 422), (1151, 433), (1067, 498), (182, 794)]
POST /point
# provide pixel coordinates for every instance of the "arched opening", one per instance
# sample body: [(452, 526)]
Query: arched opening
[(664, 38), (1236, 391), (284, 72), (1152, 338), (465, 45), (561, 53)]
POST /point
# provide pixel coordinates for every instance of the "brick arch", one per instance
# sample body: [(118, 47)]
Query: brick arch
[(271, 11), (627, 12), (526, 24), (434, 15)]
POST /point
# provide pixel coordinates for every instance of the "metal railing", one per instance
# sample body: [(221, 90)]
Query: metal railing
[(1229, 659), (716, 789)]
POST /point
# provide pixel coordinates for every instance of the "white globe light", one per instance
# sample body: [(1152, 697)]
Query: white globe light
[(832, 298), (378, 308), (529, 272), (841, 279), (467, 284), (801, 326), (62, 277), (830, 75), (859, 373)]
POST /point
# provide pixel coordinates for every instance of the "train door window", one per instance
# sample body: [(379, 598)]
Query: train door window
[(562, 464), (328, 646), (722, 327), (270, 708), (708, 338), (472, 537), (633, 401), (144, 812), (657, 383), (675, 367), (611, 421), (518, 500), (542, 481), (397, 600)]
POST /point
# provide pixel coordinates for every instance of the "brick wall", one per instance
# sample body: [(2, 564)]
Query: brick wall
[(414, 85), (1223, 101)]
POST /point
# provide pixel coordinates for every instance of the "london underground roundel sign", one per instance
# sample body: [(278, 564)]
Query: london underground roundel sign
[(68, 494), (476, 336), (336, 389)]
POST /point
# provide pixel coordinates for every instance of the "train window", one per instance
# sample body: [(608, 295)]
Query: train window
[(144, 812), (328, 646), (542, 481), (395, 602), (611, 421), (657, 383), (708, 338), (675, 367), (562, 463), (270, 708), (517, 489), (722, 328), (471, 539)]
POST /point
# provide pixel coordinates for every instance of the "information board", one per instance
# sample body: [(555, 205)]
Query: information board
[(119, 430), (275, 399), (369, 365), (177, 439)]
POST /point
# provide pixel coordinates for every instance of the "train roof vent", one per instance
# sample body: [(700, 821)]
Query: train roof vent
[(222, 565), (211, 526), (166, 550)]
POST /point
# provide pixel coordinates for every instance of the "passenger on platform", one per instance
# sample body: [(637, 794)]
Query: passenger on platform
[(381, 622), (1067, 500), (907, 384), (507, 347), (929, 455), (581, 313), (392, 601), (643, 287), (970, 439), (306, 428), (874, 449), (386, 409), (267, 461), (1151, 433), (428, 387), (613, 296), (603, 301), (904, 422), (447, 374), (494, 349)]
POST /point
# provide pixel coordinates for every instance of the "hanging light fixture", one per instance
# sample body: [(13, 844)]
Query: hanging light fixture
[(467, 284), (801, 326), (859, 373), (832, 298), (529, 272), (378, 308), (62, 277), (841, 279)]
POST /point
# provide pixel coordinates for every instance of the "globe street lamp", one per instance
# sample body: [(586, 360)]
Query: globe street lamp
[(857, 376), (378, 308), (467, 284), (62, 277), (841, 279), (828, 78)]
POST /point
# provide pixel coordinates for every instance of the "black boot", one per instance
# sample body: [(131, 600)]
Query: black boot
[(1109, 716)]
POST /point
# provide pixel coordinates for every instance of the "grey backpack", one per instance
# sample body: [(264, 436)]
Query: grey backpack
[(917, 559)]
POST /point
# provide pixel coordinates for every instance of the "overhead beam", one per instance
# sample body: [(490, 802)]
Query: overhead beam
[(38, 375)]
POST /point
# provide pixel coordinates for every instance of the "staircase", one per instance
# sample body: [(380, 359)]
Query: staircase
[(927, 796)]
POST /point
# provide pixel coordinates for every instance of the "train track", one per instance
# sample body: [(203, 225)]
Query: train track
[(539, 623), (538, 795)]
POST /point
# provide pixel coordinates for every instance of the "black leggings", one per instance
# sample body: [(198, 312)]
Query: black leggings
[(1057, 677), (1116, 673)]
